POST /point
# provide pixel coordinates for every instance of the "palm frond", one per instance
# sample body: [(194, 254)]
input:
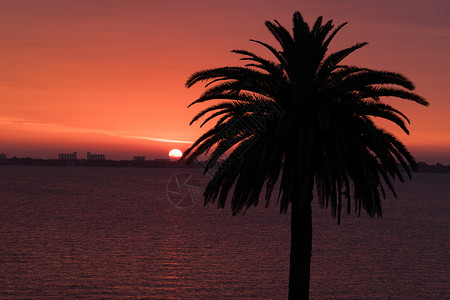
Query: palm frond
[(303, 120)]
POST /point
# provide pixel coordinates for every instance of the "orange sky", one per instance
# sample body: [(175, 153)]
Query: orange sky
[(108, 76)]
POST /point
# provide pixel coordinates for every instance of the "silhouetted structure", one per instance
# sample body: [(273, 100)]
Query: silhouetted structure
[(307, 117), (66, 156), (2, 155), (139, 158), (90, 156)]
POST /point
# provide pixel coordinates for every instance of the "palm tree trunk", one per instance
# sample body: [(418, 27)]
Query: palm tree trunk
[(301, 245)]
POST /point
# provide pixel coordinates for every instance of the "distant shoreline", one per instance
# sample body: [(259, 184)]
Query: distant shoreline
[(157, 163)]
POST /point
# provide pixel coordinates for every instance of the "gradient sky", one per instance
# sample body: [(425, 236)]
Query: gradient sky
[(108, 76)]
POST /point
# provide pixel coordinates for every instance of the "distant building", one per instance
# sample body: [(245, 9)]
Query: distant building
[(139, 158), (66, 156), (95, 156), (2, 155)]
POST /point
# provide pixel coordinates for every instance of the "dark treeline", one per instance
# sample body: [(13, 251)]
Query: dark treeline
[(436, 168)]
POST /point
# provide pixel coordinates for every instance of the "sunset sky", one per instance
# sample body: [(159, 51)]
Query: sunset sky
[(108, 76)]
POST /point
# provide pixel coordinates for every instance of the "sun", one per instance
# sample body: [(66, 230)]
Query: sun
[(175, 154)]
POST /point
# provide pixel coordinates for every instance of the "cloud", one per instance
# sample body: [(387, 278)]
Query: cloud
[(52, 127), (159, 140), (7, 121)]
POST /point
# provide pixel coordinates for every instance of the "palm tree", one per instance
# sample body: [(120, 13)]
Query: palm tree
[(309, 118)]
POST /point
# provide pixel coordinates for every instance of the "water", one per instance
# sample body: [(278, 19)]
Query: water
[(68, 232)]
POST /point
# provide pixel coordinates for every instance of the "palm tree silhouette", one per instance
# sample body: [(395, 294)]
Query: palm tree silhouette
[(308, 118)]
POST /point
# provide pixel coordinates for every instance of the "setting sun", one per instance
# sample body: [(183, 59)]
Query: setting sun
[(300, 128), (175, 153), (63, 92)]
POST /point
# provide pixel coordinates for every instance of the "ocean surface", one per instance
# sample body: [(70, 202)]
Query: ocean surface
[(117, 233)]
